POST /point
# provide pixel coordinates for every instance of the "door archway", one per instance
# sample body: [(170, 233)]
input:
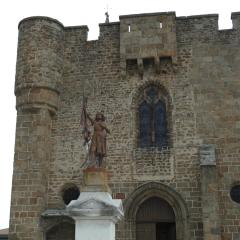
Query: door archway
[(155, 220), (168, 197)]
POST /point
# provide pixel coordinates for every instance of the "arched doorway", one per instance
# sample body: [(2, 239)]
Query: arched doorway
[(165, 197), (155, 220)]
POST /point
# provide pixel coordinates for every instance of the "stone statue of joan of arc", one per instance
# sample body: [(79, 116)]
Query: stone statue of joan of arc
[(97, 143), (98, 147)]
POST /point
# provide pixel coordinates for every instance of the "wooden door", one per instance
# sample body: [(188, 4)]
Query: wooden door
[(155, 220), (146, 231), (165, 231)]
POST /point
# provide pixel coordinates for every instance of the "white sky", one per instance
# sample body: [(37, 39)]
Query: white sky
[(70, 13)]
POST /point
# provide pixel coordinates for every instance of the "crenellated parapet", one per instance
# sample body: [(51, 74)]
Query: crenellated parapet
[(198, 23), (39, 63), (235, 16)]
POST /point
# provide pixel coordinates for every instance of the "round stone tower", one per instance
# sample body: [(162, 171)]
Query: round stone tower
[(39, 63), (38, 77)]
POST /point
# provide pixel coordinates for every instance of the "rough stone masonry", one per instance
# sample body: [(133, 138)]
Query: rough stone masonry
[(194, 68)]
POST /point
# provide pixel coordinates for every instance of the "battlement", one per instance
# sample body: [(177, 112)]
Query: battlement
[(108, 29), (235, 16), (198, 23), (138, 39), (192, 23), (40, 19), (80, 31), (140, 15)]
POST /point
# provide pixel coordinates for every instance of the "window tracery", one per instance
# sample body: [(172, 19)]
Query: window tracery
[(153, 119)]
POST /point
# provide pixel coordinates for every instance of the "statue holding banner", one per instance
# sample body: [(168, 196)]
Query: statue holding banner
[(96, 144)]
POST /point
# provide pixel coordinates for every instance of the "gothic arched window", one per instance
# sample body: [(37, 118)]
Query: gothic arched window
[(153, 120)]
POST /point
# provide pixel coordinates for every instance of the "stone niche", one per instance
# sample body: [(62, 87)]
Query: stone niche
[(148, 37)]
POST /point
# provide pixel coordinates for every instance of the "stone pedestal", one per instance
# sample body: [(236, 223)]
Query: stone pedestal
[(95, 212)]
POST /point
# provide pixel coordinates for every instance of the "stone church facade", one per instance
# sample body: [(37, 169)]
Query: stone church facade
[(169, 88)]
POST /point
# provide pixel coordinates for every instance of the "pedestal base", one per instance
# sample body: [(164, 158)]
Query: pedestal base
[(95, 212), (94, 229), (95, 180)]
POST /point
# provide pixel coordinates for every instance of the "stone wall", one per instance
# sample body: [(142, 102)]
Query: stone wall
[(198, 77), (215, 80)]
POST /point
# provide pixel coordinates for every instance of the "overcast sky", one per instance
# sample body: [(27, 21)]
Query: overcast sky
[(70, 13)]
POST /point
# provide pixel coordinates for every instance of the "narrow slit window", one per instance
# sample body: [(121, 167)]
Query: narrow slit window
[(129, 28), (160, 25)]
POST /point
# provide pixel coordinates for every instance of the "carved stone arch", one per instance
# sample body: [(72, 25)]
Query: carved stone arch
[(173, 198), (136, 94), (136, 99)]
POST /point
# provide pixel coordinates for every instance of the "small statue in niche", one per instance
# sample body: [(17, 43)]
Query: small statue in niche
[(96, 144)]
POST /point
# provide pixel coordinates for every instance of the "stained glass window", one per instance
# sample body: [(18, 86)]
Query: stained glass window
[(152, 94), (160, 124), (153, 120), (145, 124)]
